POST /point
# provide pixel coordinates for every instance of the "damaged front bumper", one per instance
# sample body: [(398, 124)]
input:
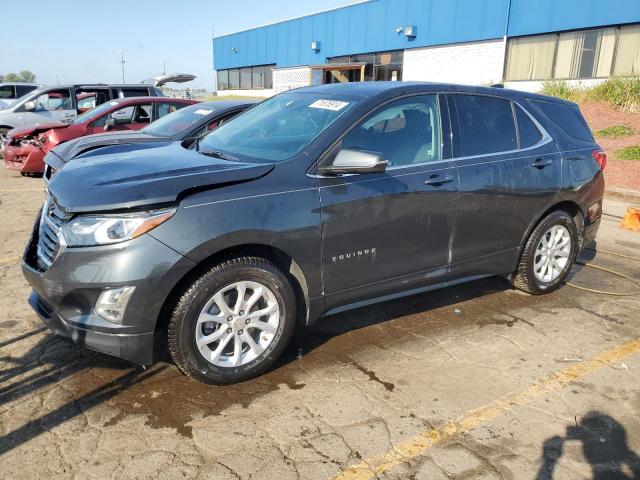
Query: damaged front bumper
[(24, 158)]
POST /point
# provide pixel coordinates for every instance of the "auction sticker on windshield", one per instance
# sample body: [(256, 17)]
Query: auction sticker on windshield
[(334, 105), (203, 111)]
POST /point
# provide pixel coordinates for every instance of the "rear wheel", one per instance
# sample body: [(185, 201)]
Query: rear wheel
[(548, 255), (233, 322)]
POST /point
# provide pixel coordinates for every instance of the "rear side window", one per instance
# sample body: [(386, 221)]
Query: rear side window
[(486, 125), (568, 118), (134, 92), (527, 130), (22, 90)]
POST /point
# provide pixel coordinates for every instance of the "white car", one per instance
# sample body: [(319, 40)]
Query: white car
[(11, 92)]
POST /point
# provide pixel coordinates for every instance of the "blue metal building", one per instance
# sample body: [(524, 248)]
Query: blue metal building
[(414, 27)]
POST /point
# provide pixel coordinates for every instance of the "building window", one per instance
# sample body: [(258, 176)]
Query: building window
[(223, 80), (580, 54), (234, 79), (585, 54), (531, 58), (246, 78), (377, 66), (628, 52)]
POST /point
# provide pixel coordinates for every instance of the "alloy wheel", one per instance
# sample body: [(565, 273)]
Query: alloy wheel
[(237, 324), (552, 254)]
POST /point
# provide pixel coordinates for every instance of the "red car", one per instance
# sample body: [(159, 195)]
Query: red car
[(25, 148)]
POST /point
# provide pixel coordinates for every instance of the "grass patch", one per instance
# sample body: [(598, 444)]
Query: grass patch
[(629, 153), (615, 131), (561, 89), (621, 93)]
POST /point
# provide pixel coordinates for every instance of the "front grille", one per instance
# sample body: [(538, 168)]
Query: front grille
[(49, 233)]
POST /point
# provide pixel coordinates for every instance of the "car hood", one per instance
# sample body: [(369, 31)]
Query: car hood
[(68, 150), (143, 177), (37, 128)]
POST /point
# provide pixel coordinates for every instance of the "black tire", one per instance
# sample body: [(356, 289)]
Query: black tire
[(524, 278), (183, 321)]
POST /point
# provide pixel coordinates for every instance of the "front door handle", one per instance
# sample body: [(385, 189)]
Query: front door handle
[(438, 179), (541, 162)]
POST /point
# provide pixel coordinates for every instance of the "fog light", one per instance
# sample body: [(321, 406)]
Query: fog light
[(112, 303)]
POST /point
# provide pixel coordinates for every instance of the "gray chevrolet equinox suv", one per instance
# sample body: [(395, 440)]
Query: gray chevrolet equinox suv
[(315, 201)]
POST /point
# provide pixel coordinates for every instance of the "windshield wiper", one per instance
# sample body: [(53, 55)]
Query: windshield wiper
[(216, 154)]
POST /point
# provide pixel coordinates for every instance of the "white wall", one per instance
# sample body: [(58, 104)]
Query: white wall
[(536, 86), (474, 63), (246, 93), (287, 78)]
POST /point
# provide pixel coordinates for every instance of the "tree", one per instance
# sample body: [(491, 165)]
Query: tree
[(27, 76), (24, 76)]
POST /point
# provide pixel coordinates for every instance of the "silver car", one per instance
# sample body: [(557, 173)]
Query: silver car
[(60, 102), (11, 92)]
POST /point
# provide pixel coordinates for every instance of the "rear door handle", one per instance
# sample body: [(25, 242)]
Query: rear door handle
[(438, 179), (541, 162)]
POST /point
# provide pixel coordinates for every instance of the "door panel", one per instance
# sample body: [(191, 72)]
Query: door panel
[(389, 226), (501, 193), (384, 231)]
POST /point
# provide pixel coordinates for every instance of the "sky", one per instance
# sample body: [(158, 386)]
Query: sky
[(78, 40)]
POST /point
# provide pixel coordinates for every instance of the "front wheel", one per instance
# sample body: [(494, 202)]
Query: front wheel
[(233, 322), (548, 255)]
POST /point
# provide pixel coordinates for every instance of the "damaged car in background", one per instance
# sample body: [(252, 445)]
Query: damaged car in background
[(61, 102), (185, 125), (25, 148)]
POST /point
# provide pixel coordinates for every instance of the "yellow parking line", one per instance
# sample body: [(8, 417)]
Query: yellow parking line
[(368, 468), (9, 260)]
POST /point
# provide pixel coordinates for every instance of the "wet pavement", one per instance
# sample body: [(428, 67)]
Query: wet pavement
[(476, 381)]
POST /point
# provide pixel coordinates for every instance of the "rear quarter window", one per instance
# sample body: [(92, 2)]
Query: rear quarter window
[(568, 118)]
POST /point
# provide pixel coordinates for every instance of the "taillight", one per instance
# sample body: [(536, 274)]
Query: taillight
[(600, 157)]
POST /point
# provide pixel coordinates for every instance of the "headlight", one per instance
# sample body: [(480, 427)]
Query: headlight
[(90, 230)]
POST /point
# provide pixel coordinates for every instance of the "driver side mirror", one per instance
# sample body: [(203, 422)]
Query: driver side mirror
[(109, 123), (29, 106), (355, 161)]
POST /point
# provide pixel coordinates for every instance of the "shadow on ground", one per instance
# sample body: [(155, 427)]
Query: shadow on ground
[(170, 399), (604, 445)]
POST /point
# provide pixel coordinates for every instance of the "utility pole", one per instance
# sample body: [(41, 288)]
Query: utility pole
[(164, 68), (122, 62)]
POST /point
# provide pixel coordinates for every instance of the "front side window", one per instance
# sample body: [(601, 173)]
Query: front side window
[(405, 132), (54, 100), (486, 125), (278, 128), (121, 116)]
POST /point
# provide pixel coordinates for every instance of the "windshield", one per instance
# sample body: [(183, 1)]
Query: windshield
[(178, 121), (277, 129), (95, 112)]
